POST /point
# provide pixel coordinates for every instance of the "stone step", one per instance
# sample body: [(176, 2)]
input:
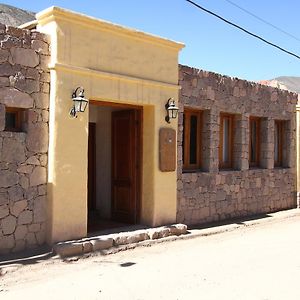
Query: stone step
[(108, 241)]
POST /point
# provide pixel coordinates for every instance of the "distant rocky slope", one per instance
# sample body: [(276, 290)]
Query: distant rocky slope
[(284, 82), (13, 16)]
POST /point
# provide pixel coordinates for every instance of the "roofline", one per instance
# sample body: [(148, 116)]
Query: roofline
[(55, 12), (29, 25)]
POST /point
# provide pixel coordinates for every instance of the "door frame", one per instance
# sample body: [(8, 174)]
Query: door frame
[(139, 153)]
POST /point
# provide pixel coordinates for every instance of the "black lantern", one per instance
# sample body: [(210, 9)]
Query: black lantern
[(172, 110), (79, 102)]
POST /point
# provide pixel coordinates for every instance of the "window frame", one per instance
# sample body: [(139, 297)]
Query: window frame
[(229, 164), (279, 162), (186, 165), (256, 162), (20, 119)]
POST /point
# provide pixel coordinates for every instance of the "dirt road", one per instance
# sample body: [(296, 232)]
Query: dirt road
[(260, 262)]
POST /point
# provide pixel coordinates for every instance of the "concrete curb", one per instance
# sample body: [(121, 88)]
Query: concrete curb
[(113, 247), (123, 240)]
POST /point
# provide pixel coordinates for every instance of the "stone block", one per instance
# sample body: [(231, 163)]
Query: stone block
[(37, 138), (68, 249), (24, 57), (19, 246), (40, 46), (44, 160), (18, 207), (6, 69), (42, 190), (27, 85), (45, 77), (101, 244), (87, 247), (7, 242), (4, 211), (13, 151), (30, 239), (32, 73), (14, 31), (25, 217), (8, 178), (10, 42), (130, 238), (41, 100), (8, 225), (24, 182), (4, 54), (3, 198), (44, 61), (40, 237), (26, 169), (39, 209), (15, 193), (221, 195), (158, 233), (21, 232), (33, 160), (12, 97), (4, 81), (34, 227), (178, 229), (38, 176)]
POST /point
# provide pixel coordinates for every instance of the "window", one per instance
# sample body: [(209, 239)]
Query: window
[(226, 141), (191, 139), (254, 141), (278, 143), (14, 119)]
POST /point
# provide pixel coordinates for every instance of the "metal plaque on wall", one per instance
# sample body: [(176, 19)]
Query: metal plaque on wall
[(167, 149)]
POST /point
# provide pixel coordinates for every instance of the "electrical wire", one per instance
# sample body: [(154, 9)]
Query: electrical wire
[(262, 20), (243, 29)]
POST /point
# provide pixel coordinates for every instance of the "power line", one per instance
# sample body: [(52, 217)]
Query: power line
[(262, 20), (243, 29)]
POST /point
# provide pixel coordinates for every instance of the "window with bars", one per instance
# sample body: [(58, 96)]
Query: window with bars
[(226, 141), (278, 143), (192, 126), (254, 141), (15, 119)]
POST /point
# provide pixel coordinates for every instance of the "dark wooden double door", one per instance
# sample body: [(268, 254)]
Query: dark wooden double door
[(125, 165)]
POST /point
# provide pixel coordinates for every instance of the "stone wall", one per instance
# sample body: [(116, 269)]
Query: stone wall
[(24, 83), (210, 194)]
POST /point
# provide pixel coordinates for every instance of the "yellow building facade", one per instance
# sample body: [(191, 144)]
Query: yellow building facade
[(121, 69)]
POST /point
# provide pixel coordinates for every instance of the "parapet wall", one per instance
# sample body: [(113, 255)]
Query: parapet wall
[(212, 194), (24, 92)]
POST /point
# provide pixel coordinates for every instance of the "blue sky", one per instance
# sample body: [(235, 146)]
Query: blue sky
[(210, 44)]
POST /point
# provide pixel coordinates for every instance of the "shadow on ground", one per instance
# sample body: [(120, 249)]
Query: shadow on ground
[(26, 257), (238, 221)]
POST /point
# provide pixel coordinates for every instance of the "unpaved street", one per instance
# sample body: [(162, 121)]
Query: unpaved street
[(259, 262)]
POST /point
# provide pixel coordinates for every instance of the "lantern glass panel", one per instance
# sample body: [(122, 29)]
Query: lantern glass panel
[(77, 104), (83, 105)]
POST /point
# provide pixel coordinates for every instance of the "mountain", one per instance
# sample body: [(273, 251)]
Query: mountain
[(13, 16), (284, 82)]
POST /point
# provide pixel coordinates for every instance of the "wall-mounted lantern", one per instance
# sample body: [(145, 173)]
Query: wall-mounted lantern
[(79, 102), (172, 110)]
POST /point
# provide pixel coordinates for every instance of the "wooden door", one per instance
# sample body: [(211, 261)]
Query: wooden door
[(92, 167), (126, 165)]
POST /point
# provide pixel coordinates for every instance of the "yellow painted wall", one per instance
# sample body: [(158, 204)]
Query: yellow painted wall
[(117, 65)]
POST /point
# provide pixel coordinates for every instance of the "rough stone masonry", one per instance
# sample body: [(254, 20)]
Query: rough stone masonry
[(212, 194), (24, 85)]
